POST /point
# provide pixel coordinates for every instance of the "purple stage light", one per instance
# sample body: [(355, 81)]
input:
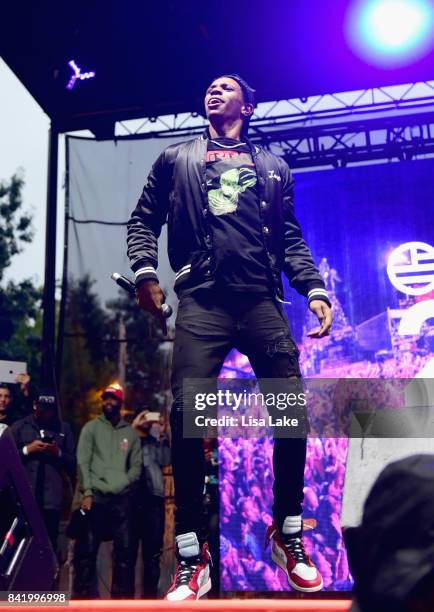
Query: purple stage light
[(390, 33), (78, 75)]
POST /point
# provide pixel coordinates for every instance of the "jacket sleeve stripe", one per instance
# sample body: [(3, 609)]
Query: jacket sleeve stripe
[(318, 294), (317, 291), (145, 273), (182, 271), (146, 269)]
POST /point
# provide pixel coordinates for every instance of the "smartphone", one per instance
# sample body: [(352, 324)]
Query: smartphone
[(153, 417), (9, 370), (47, 437)]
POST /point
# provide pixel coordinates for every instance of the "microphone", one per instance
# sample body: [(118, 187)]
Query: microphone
[(130, 287)]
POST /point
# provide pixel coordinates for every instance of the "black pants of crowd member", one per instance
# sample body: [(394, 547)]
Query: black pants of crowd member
[(110, 518), (208, 326), (52, 521), (149, 523)]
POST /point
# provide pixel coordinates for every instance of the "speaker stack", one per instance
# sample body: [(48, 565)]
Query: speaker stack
[(27, 560)]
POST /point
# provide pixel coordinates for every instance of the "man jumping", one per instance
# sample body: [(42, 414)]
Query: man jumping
[(231, 232)]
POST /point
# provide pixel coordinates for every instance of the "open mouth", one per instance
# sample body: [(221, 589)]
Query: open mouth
[(214, 102)]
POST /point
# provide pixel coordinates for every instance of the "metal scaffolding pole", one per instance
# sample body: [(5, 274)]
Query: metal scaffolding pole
[(49, 305)]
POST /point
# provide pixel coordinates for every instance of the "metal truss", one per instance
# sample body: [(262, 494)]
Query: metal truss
[(342, 143), (335, 130)]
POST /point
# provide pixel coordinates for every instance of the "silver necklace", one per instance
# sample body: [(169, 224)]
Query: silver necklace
[(219, 144)]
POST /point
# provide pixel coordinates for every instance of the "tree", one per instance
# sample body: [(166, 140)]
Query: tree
[(14, 228), (20, 314), (88, 360), (21, 324), (144, 370), (91, 352)]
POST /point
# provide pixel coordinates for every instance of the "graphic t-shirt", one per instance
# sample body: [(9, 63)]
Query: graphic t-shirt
[(241, 263)]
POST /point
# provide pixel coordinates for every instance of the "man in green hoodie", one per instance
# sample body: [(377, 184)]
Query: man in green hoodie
[(109, 463)]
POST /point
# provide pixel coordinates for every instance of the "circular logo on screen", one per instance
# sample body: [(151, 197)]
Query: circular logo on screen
[(411, 268)]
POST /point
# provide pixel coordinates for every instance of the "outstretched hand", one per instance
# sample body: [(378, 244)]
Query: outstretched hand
[(325, 317)]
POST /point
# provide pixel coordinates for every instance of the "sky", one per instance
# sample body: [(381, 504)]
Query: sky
[(24, 146)]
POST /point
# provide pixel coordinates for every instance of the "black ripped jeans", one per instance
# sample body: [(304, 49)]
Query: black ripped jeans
[(208, 326)]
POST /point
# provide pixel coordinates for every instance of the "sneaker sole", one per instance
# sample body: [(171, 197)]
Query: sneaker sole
[(201, 592), (278, 562)]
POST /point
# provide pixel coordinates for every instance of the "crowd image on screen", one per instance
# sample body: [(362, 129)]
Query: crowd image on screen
[(246, 476)]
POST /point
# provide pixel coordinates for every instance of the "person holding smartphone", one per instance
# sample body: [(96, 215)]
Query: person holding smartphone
[(46, 446)]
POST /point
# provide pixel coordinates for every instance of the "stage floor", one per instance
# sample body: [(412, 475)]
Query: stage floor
[(207, 605)]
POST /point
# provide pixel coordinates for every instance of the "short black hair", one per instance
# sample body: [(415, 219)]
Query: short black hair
[(248, 94), (5, 386), (248, 91)]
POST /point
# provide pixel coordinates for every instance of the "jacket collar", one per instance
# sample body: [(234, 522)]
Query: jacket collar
[(54, 426), (253, 148), (30, 419)]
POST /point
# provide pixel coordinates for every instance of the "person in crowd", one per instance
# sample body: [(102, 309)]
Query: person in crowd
[(47, 449), (5, 404), (149, 511), (109, 464), (391, 553), (15, 406), (232, 232), (252, 527)]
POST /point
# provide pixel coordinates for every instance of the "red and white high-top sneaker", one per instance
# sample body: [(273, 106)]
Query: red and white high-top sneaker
[(288, 553), (192, 577)]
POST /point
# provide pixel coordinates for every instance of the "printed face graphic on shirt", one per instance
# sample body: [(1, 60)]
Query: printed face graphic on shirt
[(230, 172), (235, 219), (224, 200)]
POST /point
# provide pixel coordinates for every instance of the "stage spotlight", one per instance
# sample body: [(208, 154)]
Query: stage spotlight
[(391, 33)]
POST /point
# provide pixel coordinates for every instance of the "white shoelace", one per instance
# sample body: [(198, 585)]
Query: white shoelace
[(184, 574), (296, 548)]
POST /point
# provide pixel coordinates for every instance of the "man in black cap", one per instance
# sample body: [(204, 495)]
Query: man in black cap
[(46, 446), (232, 231)]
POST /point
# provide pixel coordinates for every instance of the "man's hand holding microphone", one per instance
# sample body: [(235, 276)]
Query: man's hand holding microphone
[(149, 296)]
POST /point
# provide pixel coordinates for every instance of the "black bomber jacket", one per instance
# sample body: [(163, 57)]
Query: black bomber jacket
[(176, 192)]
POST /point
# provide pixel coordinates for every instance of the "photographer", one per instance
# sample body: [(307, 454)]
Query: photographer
[(149, 506), (47, 449), (15, 406)]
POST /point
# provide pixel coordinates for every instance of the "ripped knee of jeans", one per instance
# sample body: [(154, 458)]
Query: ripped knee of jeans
[(284, 353), (282, 345)]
